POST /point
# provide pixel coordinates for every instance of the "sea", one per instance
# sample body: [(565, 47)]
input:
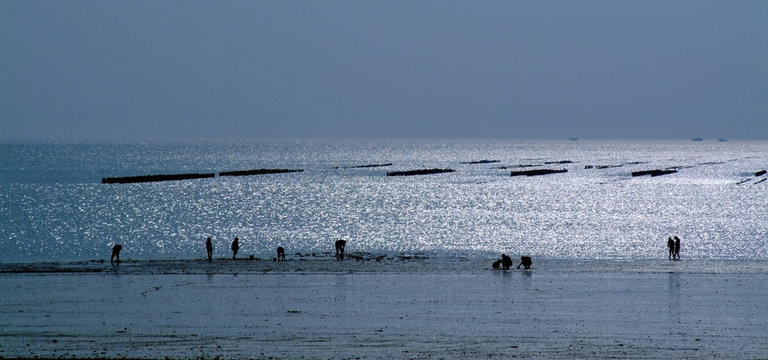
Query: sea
[(55, 208)]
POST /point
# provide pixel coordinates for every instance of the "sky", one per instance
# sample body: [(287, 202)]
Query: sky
[(92, 69)]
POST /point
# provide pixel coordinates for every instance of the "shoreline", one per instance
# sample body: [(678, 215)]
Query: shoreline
[(370, 263), (535, 314)]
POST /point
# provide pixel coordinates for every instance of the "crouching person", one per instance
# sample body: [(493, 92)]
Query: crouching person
[(506, 262), (496, 265), (526, 262)]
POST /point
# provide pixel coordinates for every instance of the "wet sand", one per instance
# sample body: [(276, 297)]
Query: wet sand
[(387, 309)]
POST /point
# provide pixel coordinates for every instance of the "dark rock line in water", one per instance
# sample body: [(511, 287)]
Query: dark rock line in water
[(419, 172), (258, 172), (537, 172), (362, 166), (600, 167), (520, 166), (480, 162), (653, 173), (174, 177), (153, 178), (757, 174)]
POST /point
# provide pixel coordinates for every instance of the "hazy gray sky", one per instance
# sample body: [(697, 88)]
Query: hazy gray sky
[(504, 69)]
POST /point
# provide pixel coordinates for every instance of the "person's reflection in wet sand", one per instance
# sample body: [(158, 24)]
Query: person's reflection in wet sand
[(673, 297)]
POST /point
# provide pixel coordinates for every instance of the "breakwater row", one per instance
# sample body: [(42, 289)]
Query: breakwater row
[(537, 172), (758, 176), (362, 166), (419, 172), (258, 172), (153, 178), (173, 177), (532, 172), (653, 173)]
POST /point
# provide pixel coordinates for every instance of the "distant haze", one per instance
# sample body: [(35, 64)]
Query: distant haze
[(338, 68)]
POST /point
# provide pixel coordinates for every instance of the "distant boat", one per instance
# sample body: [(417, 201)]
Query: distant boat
[(722, 139), (573, 139), (697, 139)]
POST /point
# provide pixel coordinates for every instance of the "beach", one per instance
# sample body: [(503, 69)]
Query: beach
[(402, 308)]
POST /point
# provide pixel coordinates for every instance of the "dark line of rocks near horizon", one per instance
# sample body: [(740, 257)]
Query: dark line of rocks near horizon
[(362, 166), (419, 172), (537, 172), (154, 178), (425, 171), (189, 176), (475, 162), (259, 172)]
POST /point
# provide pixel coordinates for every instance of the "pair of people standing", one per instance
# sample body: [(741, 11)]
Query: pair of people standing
[(209, 248), (674, 248)]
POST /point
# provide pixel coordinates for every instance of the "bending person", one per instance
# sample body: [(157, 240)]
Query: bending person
[(506, 262), (526, 262)]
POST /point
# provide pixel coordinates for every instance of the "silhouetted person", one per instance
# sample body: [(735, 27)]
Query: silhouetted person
[(209, 249), (671, 248), (496, 264), (506, 262), (280, 253), (235, 247), (677, 248), (115, 253), (526, 262), (340, 244)]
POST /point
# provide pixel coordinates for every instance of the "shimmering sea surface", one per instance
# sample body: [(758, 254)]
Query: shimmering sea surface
[(53, 206)]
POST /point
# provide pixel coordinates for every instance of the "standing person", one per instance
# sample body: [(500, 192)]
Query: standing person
[(671, 248), (116, 253), (340, 244), (235, 247), (280, 253), (209, 249), (677, 248)]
